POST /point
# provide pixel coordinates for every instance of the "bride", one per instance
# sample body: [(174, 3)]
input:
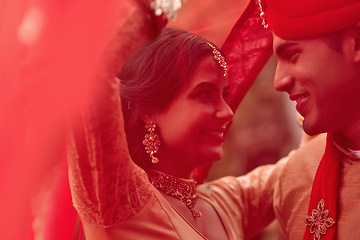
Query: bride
[(131, 162)]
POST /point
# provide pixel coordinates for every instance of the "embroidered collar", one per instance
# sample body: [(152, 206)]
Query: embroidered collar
[(349, 153)]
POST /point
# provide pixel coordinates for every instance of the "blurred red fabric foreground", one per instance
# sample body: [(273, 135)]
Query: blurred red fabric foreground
[(46, 71), (50, 55)]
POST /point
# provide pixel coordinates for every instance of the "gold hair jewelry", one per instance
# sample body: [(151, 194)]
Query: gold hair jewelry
[(262, 13), (221, 60), (180, 188), (151, 141)]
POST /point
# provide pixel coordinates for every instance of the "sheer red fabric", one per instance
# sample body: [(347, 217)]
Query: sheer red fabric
[(44, 66), (46, 77), (50, 55)]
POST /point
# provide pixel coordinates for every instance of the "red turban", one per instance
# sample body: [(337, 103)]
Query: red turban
[(299, 19)]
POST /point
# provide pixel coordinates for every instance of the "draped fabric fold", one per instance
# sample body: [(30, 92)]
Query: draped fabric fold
[(247, 48)]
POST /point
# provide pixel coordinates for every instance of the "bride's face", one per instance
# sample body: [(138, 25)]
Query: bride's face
[(192, 126)]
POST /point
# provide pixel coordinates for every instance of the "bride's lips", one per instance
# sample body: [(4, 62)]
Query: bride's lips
[(217, 134)]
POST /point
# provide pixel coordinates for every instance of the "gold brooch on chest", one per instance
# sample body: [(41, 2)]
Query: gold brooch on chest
[(319, 221)]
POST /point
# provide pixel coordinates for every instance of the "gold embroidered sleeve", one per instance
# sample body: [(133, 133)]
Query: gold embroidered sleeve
[(106, 186)]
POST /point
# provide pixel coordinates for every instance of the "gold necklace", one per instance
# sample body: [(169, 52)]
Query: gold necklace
[(180, 188)]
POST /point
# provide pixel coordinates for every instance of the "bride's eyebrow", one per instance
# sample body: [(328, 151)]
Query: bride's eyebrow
[(205, 85), (226, 88), (226, 91)]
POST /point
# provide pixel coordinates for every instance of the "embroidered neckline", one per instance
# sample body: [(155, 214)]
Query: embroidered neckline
[(356, 153), (349, 153), (180, 188)]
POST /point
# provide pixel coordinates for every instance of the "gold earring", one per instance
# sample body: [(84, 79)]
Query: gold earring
[(151, 141)]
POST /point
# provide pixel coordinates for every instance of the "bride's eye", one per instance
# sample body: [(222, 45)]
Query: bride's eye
[(204, 95), (226, 93)]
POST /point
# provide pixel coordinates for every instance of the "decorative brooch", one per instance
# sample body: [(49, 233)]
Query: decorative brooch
[(319, 221)]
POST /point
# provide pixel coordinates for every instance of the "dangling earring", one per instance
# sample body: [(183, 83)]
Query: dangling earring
[(151, 141)]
